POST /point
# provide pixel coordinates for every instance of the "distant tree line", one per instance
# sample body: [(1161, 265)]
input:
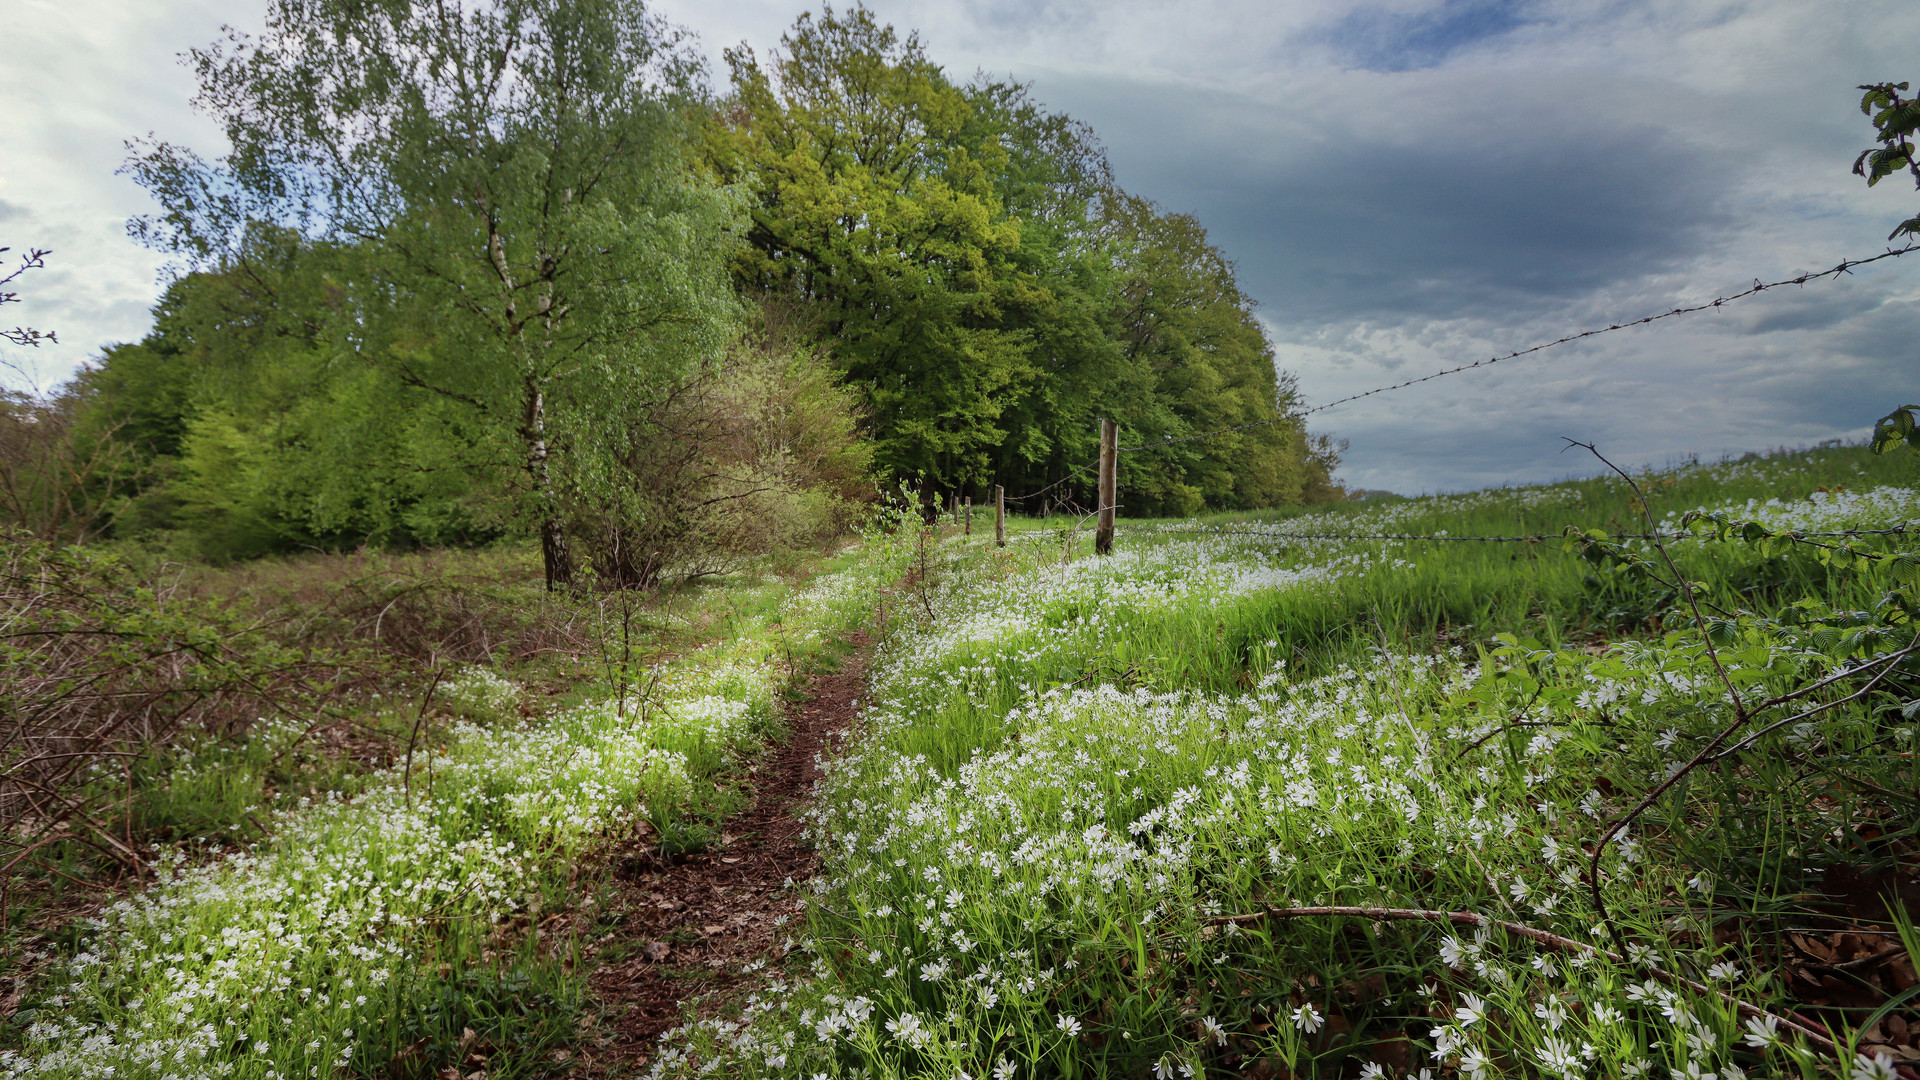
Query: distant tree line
[(478, 271)]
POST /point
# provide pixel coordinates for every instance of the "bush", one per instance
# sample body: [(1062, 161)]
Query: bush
[(101, 668), (755, 452)]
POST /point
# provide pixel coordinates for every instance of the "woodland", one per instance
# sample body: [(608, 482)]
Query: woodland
[(527, 272)]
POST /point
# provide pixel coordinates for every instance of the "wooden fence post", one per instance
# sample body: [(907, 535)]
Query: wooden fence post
[(1109, 455), (1000, 515), (969, 531)]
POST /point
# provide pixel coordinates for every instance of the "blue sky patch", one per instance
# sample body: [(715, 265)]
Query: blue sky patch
[(1379, 40)]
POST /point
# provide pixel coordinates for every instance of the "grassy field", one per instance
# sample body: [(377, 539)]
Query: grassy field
[(1096, 808), (1083, 784)]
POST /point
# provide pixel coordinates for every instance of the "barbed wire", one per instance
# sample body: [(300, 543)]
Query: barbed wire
[(1845, 266), (1050, 487)]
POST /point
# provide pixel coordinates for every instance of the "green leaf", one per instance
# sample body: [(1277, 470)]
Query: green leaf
[(1897, 426)]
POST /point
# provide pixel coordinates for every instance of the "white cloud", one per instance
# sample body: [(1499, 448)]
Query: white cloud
[(82, 77)]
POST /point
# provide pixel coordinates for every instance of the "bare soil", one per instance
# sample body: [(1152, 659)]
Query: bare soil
[(684, 928)]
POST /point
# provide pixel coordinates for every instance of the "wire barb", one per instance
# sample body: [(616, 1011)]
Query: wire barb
[(1844, 267)]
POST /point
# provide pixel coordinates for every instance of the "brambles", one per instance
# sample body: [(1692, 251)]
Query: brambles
[(1895, 428), (103, 669), (1895, 118)]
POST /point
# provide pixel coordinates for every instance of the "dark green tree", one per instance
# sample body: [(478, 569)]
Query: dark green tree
[(869, 203), (984, 282)]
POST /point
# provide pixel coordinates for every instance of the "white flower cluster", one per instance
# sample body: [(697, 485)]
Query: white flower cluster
[(983, 850), (482, 694), (1826, 511), (283, 950)]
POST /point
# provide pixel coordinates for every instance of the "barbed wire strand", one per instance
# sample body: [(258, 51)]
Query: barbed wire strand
[(1050, 487), (1844, 267)]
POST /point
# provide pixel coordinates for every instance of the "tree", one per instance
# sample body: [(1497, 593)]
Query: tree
[(34, 259), (502, 192), (246, 431), (985, 283), (1201, 363), (869, 202)]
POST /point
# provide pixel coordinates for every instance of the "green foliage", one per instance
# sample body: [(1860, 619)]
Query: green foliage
[(457, 279), (1895, 119), (111, 677), (873, 201), (756, 451), (1201, 364), (500, 194), (1895, 428), (369, 927), (983, 282), (506, 1017), (243, 433), (1074, 770)]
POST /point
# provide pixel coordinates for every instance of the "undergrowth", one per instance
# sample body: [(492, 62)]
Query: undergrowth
[(392, 923)]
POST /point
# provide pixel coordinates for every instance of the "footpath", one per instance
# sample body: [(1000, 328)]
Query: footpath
[(690, 927)]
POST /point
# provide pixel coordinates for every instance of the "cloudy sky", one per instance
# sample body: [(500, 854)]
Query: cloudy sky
[(1405, 185)]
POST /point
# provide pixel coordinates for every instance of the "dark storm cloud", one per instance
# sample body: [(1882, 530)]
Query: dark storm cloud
[(1890, 330), (1816, 310), (1460, 218)]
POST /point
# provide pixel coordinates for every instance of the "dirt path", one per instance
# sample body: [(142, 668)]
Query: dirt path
[(686, 929)]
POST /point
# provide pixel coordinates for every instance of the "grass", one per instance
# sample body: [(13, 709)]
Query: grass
[(1077, 786), (1074, 770), (367, 928)]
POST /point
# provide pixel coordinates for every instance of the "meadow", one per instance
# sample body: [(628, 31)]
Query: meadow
[(1093, 804), (1249, 797)]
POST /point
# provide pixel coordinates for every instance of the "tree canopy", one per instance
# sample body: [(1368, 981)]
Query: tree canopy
[(984, 281), (470, 271), (501, 196)]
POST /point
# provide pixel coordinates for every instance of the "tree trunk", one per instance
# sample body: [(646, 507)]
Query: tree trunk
[(553, 536)]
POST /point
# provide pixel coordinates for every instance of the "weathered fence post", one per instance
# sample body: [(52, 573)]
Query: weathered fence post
[(1109, 454), (969, 531), (1000, 515)]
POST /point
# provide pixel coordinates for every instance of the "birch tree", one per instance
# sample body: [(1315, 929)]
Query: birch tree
[(504, 180)]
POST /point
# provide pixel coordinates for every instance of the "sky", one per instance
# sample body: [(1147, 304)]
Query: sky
[(1405, 186)]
